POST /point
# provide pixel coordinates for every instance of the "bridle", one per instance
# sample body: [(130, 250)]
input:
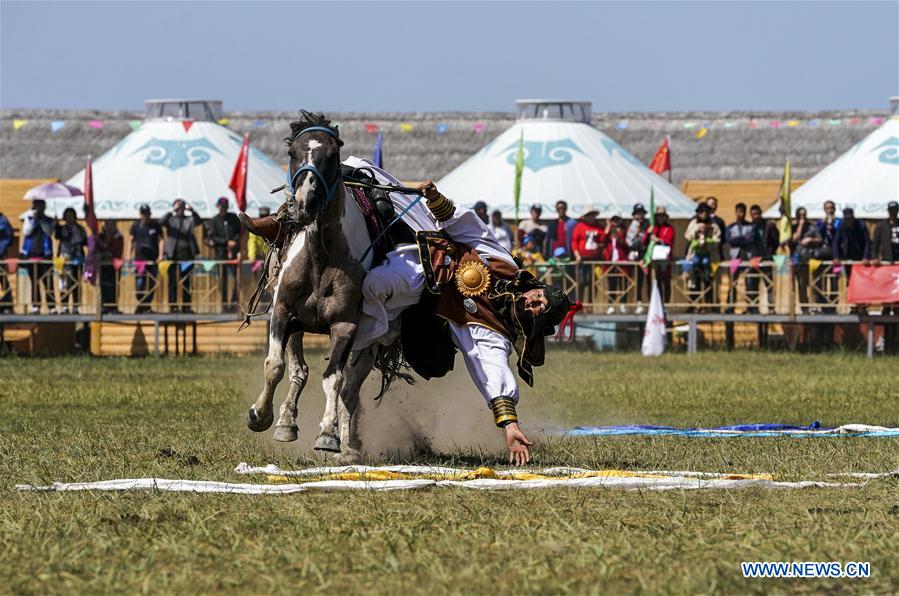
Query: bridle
[(330, 189)]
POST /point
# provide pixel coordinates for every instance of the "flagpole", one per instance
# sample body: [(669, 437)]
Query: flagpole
[(670, 166)]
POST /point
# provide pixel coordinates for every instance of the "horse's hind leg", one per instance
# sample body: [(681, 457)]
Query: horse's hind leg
[(261, 414), (342, 335), (286, 427), (358, 368)]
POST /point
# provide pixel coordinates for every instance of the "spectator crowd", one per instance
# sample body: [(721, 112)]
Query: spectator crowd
[(622, 255)]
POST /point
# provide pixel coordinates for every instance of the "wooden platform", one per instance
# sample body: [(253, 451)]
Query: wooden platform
[(165, 338)]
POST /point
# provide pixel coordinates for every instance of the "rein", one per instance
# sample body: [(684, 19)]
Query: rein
[(330, 189)]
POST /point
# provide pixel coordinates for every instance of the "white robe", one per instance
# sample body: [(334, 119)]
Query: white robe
[(398, 282)]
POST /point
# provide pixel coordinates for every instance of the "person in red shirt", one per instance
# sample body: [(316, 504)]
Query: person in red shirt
[(615, 249), (587, 243), (662, 233)]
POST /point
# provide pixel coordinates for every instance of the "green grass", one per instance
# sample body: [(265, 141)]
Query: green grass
[(84, 419)]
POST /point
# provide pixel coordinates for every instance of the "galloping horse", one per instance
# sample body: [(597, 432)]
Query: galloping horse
[(318, 288)]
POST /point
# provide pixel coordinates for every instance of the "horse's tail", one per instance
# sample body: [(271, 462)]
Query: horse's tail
[(390, 361)]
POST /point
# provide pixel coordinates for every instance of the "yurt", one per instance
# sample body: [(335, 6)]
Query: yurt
[(179, 151), (564, 158), (865, 178)]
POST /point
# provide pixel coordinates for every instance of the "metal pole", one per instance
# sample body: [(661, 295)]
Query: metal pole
[(870, 339), (691, 337), (156, 337)]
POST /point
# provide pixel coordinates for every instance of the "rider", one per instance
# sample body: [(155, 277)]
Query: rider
[(486, 306)]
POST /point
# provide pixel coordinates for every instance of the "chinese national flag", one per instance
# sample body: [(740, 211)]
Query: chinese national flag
[(662, 160), (90, 216), (874, 285), (239, 177)]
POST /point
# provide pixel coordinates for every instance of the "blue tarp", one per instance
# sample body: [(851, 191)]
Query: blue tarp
[(741, 430)]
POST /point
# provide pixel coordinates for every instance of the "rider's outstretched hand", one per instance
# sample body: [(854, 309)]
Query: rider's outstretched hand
[(429, 190), (519, 445)]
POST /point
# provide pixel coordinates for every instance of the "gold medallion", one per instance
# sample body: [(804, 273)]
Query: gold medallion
[(472, 278)]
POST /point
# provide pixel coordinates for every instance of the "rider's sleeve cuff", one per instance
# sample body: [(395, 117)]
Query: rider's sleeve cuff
[(441, 208), (503, 411)]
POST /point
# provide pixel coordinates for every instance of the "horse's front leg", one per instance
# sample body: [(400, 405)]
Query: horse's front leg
[(286, 427), (342, 335), (358, 368), (261, 414)]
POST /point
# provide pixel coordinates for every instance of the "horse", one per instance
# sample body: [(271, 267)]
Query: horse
[(317, 289)]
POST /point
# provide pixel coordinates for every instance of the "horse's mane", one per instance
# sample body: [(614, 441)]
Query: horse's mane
[(307, 120)]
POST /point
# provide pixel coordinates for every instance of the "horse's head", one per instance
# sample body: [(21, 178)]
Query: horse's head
[(313, 175)]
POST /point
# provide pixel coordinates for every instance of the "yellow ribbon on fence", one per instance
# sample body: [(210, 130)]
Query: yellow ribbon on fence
[(714, 269), (164, 267), (59, 263), (813, 264)]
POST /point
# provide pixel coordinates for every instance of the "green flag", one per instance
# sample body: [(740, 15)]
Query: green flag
[(647, 258), (519, 169)]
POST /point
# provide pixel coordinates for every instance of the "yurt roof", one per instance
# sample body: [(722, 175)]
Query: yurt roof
[(563, 160), (865, 178), (167, 159)]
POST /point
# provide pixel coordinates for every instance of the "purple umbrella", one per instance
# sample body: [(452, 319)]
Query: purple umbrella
[(52, 190)]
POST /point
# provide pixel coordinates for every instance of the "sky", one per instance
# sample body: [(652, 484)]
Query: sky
[(435, 56)]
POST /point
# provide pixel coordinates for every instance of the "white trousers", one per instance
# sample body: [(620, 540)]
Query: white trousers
[(397, 284)]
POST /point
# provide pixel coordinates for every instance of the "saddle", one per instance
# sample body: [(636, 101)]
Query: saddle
[(379, 212)]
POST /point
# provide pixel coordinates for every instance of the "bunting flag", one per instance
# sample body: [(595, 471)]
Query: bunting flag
[(792, 123), (689, 125), (752, 124), (755, 262), (813, 264), (140, 267), (715, 268), (406, 127), (622, 125), (12, 265), (371, 128), (17, 124), (256, 266), (224, 121), (164, 267), (57, 125), (442, 128), (702, 132), (780, 264), (117, 264), (209, 266), (239, 176), (774, 124), (135, 124), (95, 124), (686, 265), (90, 217), (837, 269), (733, 265), (187, 124), (377, 156), (519, 170), (185, 266), (59, 263), (479, 127)]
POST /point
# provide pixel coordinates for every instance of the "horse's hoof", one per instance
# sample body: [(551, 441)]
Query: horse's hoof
[(327, 443), (258, 423), (348, 457), (286, 434)]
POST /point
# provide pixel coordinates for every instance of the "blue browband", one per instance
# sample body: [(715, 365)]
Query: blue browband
[(291, 178)]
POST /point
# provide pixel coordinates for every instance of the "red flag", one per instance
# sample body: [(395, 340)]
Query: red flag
[(662, 160), (239, 177), (874, 285), (89, 215)]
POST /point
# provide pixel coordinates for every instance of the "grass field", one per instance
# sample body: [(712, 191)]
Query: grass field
[(88, 419)]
